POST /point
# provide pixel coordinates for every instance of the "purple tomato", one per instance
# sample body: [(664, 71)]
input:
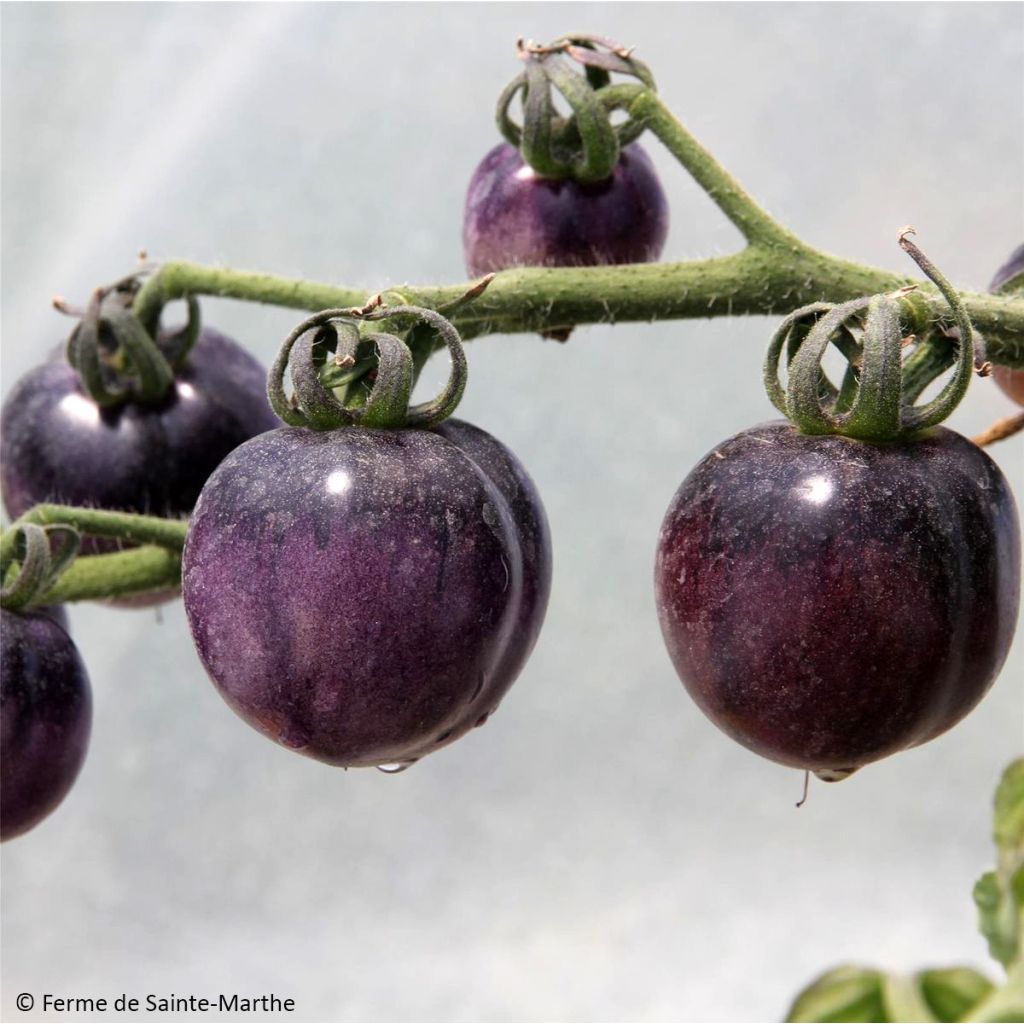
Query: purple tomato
[(828, 602), (59, 446), (513, 217), (1010, 380), (45, 717), (367, 596)]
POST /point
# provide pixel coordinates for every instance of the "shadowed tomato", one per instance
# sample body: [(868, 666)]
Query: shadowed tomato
[(45, 718), (828, 602), (59, 446), (513, 217), (1010, 380)]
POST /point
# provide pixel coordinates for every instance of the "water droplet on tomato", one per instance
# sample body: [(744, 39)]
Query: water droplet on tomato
[(294, 737), (395, 767)]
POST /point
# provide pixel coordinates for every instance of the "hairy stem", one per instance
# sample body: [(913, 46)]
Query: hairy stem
[(123, 574), (756, 225), (760, 280), (776, 274), (127, 526)]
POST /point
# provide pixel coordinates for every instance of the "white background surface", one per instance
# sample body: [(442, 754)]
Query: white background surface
[(599, 851)]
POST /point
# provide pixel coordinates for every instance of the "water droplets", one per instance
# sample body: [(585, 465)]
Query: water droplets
[(294, 737), (394, 767)]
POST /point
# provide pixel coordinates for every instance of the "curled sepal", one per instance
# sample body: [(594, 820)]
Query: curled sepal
[(375, 372), (539, 121), (317, 402), (152, 376), (788, 337), (893, 353), (587, 138), (429, 414), (176, 345), (98, 378), (115, 356), (42, 554), (810, 397), (387, 404), (874, 413), (585, 145), (935, 411)]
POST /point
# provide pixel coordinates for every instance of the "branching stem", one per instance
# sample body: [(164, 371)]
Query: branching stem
[(775, 274), (95, 522)]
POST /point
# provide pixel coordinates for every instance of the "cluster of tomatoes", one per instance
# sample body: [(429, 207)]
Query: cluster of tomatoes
[(366, 595)]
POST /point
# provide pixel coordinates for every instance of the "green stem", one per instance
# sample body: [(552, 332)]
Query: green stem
[(123, 574), (178, 279), (126, 526), (767, 281), (776, 274), (756, 225)]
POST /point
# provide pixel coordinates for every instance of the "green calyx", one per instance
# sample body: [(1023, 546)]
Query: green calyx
[(585, 145), (119, 358), (346, 371), (42, 553), (893, 352)]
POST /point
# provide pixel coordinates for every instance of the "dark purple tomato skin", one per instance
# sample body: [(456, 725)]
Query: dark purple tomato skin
[(1011, 381), (1011, 268), (828, 602), (367, 596), (58, 445), (515, 218), (45, 719)]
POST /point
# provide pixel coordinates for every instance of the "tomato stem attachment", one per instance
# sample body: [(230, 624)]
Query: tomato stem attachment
[(893, 352), (119, 356), (584, 146), (375, 371), (40, 563)]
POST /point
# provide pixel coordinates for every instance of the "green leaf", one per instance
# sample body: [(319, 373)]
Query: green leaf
[(997, 918), (904, 1000), (999, 894), (953, 992), (1009, 816), (843, 994)]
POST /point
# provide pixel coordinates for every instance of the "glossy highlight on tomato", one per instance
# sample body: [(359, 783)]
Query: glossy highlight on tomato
[(829, 602), (513, 217), (45, 718), (59, 446), (367, 596)]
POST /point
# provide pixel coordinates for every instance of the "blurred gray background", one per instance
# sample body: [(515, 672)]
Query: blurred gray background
[(599, 851)]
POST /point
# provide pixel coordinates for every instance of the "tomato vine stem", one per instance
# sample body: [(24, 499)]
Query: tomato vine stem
[(127, 526), (755, 282), (775, 274)]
